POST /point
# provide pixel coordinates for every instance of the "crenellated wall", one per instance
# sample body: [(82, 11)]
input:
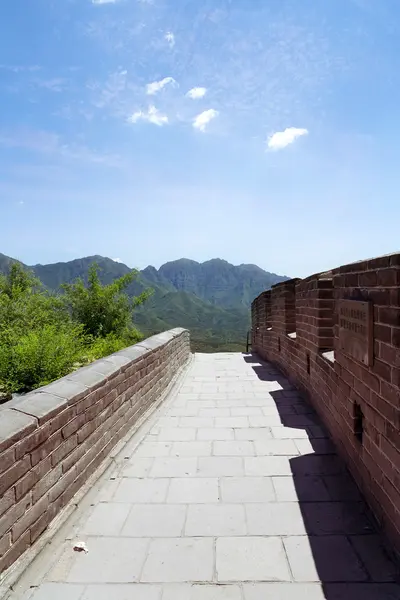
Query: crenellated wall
[(54, 438), (297, 325)]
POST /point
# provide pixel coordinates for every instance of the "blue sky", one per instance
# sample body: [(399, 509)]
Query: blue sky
[(259, 131)]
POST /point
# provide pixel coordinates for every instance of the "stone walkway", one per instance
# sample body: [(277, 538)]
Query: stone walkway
[(234, 493)]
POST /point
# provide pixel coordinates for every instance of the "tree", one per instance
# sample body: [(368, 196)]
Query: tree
[(103, 310)]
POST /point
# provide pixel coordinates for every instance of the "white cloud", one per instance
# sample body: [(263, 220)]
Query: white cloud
[(151, 116), (104, 1), (204, 118), (281, 139), (170, 38), (197, 92), (156, 86), (118, 260)]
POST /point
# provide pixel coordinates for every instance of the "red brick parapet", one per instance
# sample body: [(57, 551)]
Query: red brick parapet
[(358, 402), (54, 438)]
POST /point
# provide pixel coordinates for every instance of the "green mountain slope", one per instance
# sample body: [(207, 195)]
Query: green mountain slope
[(212, 299)]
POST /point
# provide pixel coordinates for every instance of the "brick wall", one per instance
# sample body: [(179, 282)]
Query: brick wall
[(335, 383), (53, 439)]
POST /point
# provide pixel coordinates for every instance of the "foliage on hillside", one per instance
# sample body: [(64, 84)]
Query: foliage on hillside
[(212, 299), (44, 336)]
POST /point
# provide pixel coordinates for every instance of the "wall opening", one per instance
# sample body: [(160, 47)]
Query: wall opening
[(308, 363), (358, 422)]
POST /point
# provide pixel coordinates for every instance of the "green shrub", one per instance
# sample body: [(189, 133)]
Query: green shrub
[(39, 356)]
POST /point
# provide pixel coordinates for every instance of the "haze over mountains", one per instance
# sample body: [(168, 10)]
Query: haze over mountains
[(212, 299)]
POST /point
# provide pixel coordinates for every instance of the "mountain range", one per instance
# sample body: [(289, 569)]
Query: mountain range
[(212, 298)]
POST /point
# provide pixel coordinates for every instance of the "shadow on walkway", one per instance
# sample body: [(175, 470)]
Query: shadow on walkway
[(342, 548)]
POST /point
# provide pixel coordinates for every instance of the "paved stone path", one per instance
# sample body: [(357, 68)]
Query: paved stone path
[(234, 493)]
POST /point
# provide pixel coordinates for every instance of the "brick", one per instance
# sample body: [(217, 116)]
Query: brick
[(5, 544), (85, 431), (382, 369), (46, 448), (13, 514), (371, 380), (46, 483), (42, 523), (7, 458), (62, 419), (15, 551), (73, 426), (31, 515), (72, 458), (14, 426), (388, 277), (62, 484), (383, 333), (383, 407), (389, 354), (396, 337), (64, 449), (7, 500), (389, 316), (31, 441), (396, 377), (18, 470), (32, 477)]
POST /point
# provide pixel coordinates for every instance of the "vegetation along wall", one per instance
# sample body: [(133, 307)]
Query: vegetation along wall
[(337, 337), (53, 439)]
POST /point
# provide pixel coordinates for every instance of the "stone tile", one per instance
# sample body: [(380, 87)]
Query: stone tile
[(176, 434), (109, 560), (174, 467), (215, 520), (105, 519), (284, 433), (214, 412), (196, 422), (265, 421), (193, 490), (362, 591), (154, 520), (61, 591), (341, 487), (201, 404), (235, 422), (251, 559), (324, 518), (137, 467), (315, 446), (247, 489), (252, 434), (215, 434), (128, 591), (275, 518), (300, 489), (201, 592), (191, 448), (153, 449), (374, 558), (243, 448), (183, 411), (314, 464), (218, 466), (179, 559), (246, 411), (276, 448), (168, 422), (267, 466), (139, 491), (311, 559), (283, 591)]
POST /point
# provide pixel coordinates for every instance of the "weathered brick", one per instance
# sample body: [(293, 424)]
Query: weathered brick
[(42, 523), (73, 426), (5, 544), (62, 419), (15, 551), (72, 458), (30, 516), (62, 484), (64, 449), (46, 447), (7, 500), (18, 470), (29, 442), (46, 482), (24, 485), (7, 458), (85, 431), (13, 514)]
